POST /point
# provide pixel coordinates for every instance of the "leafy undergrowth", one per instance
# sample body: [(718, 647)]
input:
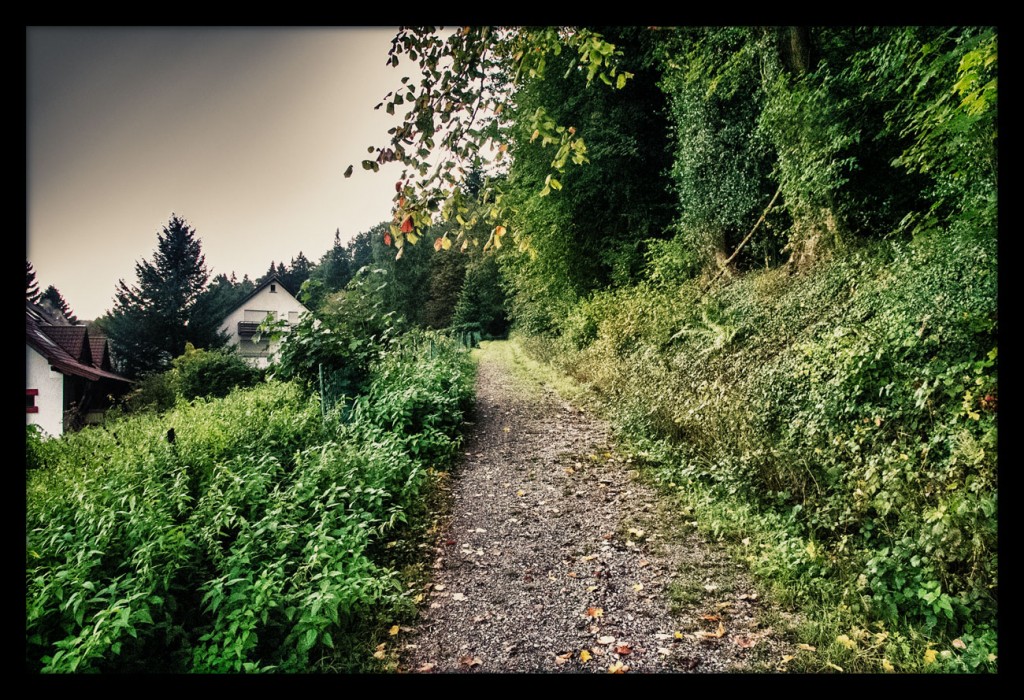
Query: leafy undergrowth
[(243, 534), (837, 429)]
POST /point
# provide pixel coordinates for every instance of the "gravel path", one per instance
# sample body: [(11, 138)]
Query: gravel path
[(555, 558)]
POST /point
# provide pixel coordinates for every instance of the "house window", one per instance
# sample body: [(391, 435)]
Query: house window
[(30, 400), (273, 289)]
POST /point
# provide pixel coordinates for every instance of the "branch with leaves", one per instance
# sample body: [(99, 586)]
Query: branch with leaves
[(457, 119)]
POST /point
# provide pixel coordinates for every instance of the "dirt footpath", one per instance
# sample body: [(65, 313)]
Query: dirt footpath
[(556, 558)]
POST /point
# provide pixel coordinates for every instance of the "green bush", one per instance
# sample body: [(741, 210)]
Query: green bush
[(211, 373)]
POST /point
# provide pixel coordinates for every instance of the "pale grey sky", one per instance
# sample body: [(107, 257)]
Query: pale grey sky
[(244, 132)]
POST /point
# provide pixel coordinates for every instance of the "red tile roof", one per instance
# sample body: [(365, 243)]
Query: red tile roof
[(69, 349)]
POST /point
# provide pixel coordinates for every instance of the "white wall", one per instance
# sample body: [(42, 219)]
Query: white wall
[(50, 400), (280, 302)]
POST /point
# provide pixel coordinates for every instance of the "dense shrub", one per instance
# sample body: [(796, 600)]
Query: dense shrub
[(211, 373), (235, 534)]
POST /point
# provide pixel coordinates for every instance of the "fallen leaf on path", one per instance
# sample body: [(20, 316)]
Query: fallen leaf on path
[(607, 639), (379, 654), (678, 634), (418, 598), (594, 613), (562, 658), (618, 667), (713, 635), (470, 661), (520, 493), (585, 656), (638, 587), (393, 631), (438, 586), (571, 574), (425, 668), (723, 606), (623, 649), (643, 562), (711, 618), (458, 596), (744, 641)]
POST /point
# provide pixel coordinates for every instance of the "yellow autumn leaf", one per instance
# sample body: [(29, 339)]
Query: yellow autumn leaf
[(618, 667), (638, 587), (846, 642), (585, 656), (446, 243), (678, 635), (806, 647), (888, 667), (929, 657), (393, 631), (834, 666)]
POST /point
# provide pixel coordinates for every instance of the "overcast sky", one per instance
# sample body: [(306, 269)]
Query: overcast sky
[(244, 132)]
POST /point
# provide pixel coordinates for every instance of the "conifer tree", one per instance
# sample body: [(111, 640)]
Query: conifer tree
[(154, 318)]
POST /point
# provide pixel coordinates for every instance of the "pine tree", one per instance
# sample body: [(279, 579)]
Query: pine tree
[(153, 319), (52, 297), (31, 286)]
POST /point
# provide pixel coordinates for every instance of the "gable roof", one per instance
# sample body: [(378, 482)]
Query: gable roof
[(69, 349), (260, 288)]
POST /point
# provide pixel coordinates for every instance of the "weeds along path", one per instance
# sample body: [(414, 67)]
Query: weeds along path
[(556, 558)]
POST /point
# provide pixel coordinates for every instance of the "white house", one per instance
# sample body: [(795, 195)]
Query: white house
[(69, 381), (242, 322)]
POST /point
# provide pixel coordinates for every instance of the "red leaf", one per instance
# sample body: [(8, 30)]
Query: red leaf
[(407, 224), (387, 239)]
